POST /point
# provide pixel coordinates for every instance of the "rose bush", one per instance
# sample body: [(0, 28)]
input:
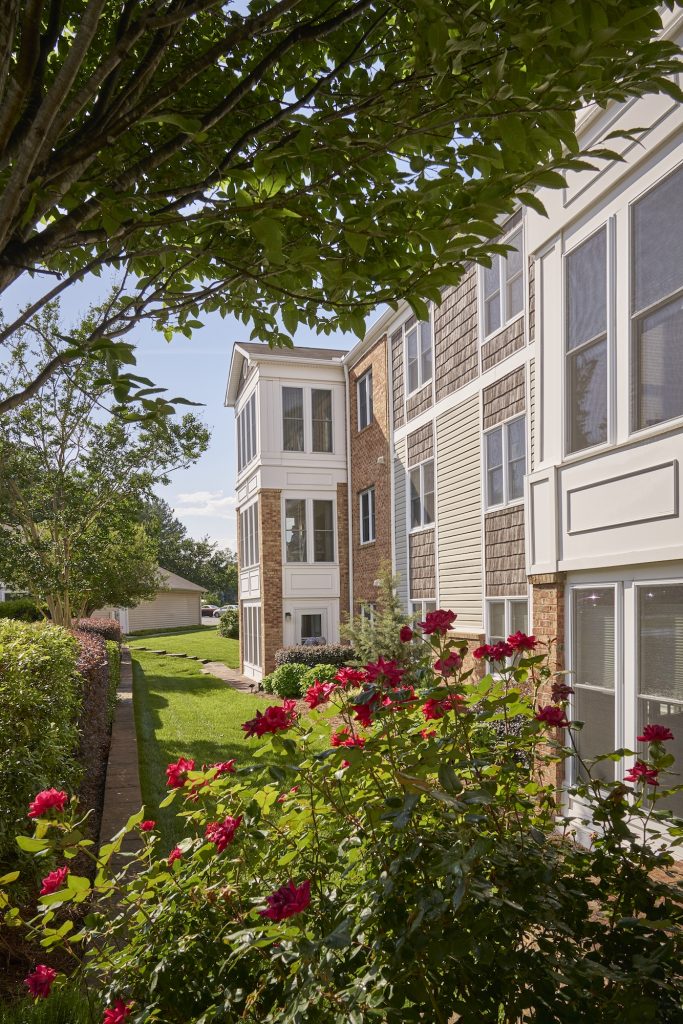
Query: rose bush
[(400, 857)]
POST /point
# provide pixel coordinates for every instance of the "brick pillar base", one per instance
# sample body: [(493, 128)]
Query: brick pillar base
[(548, 596)]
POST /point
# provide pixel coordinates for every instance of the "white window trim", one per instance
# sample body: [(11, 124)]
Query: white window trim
[(239, 430), (430, 380), (409, 516), (505, 321), (255, 546), (330, 390), (506, 502), (507, 601), (423, 602), (308, 503), (373, 516), (362, 382)]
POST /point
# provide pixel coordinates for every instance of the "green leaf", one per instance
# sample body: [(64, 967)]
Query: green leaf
[(30, 845)]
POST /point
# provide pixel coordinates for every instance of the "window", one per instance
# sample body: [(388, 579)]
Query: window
[(505, 455), (504, 616), (593, 680), (586, 343), (367, 515), (251, 634), (418, 342), (422, 608), (246, 433), (249, 546), (657, 304), (295, 530), (312, 626), (364, 394), (293, 419), (367, 613), (323, 531), (422, 495), (321, 415), (503, 286)]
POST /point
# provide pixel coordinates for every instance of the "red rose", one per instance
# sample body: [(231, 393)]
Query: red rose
[(439, 621), (521, 642), (276, 718), (560, 692), (223, 768), (643, 773), (551, 715), (176, 773), (427, 734), (434, 709), (118, 1013), (175, 854), (288, 900), (655, 734), (406, 634), (319, 694), (39, 982), (222, 833), (482, 652), (147, 826), (501, 651), (345, 738), (345, 764), (363, 712), (351, 677), (384, 671), (54, 881), (47, 800), (447, 666)]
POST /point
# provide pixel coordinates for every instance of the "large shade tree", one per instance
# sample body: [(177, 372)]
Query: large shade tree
[(201, 561), (289, 161)]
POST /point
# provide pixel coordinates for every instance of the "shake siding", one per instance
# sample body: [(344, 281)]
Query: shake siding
[(400, 524), (458, 445)]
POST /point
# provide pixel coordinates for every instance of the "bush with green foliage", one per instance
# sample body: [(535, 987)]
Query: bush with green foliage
[(318, 674), (229, 624), (114, 661), (397, 859), (377, 633), (40, 698), (315, 654), (22, 608), (286, 680)]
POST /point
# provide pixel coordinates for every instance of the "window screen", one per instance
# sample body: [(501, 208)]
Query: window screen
[(586, 341), (321, 408), (293, 419)]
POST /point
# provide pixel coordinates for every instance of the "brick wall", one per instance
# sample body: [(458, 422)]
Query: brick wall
[(421, 444), (422, 565), (548, 602), (367, 446), (343, 548), (456, 352), (504, 547), (270, 531), (505, 398)]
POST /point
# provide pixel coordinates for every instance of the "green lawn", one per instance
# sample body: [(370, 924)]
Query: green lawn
[(180, 712), (199, 640)]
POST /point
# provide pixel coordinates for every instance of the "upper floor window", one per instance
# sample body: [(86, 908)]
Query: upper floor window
[(418, 342), (302, 518), (422, 495), (364, 394), (586, 343), (323, 531), (293, 419), (367, 515), (246, 433), (321, 414), (249, 546), (503, 286), (295, 530), (505, 460), (657, 304)]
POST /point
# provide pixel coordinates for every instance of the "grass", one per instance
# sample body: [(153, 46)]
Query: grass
[(201, 641), (180, 712), (65, 1006)]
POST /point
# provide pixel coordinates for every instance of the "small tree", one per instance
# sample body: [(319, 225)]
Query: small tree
[(376, 633)]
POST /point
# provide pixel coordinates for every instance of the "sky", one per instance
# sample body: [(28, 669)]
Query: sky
[(203, 496)]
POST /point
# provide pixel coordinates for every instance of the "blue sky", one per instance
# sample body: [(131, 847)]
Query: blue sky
[(203, 496)]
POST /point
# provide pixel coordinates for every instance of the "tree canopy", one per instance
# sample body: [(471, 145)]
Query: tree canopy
[(200, 561), (291, 161)]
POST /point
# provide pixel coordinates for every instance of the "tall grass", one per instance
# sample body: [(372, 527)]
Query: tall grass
[(64, 1006)]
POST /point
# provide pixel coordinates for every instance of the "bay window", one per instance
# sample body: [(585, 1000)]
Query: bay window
[(323, 531), (251, 634), (295, 530), (249, 543), (246, 433), (309, 518), (293, 419), (503, 286)]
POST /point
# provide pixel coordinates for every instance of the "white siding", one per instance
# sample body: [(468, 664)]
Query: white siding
[(532, 415), (400, 528), (166, 610), (458, 447)]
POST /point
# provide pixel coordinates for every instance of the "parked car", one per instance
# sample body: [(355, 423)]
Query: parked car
[(208, 609), (225, 608)]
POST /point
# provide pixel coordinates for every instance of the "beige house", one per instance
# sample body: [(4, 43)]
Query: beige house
[(178, 604)]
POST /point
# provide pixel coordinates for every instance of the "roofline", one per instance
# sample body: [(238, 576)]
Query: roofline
[(374, 333), (271, 356)]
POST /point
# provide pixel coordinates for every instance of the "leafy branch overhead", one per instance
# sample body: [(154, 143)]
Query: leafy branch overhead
[(296, 161)]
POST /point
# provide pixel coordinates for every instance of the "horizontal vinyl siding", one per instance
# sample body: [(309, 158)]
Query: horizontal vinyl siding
[(532, 414), (400, 523), (166, 610), (458, 465)]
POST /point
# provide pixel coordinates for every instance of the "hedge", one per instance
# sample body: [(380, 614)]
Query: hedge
[(22, 608), (312, 655), (40, 701), (108, 629)]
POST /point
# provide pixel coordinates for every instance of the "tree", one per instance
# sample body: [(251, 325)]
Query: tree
[(74, 480), (200, 561), (376, 633), (290, 161)]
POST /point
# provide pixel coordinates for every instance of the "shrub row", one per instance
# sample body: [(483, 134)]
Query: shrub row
[(108, 629), (22, 608), (293, 678), (311, 655)]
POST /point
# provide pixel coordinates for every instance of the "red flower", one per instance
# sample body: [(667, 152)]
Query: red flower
[(435, 709), (45, 801), (39, 982), (223, 768), (288, 900), (345, 764), (427, 734), (276, 718), (482, 652), (406, 634), (319, 693), (387, 671), (176, 773), (560, 691), (497, 652), (283, 796), (655, 734), (351, 677), (643, 773), (551, 715), (363, 712), (147, 826), (345, 738), (446, 666), (118, 1013), (437, 622), (54, 881), (521, 642), (222, 833), (175, 854)]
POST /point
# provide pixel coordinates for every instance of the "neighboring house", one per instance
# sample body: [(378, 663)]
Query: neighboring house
[(178, 604)]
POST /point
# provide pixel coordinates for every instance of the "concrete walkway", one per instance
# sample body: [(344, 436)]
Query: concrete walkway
[(122, 796), (231, 676)]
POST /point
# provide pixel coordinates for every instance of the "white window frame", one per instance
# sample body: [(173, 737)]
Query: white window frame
[(293, 387), (321, 451), (503, 286), (507, 602), (503, 426), (309, 528), (420, 607), (247, 433), (364, 386), (299, 612), (372, 533), (249, 537), (422, 525), (422, 381), (251, 627)]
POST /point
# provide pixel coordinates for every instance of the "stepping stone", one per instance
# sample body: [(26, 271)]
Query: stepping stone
[(173, 655), (157, 652)]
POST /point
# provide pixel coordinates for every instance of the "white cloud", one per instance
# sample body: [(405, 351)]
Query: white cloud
[(205, 505)]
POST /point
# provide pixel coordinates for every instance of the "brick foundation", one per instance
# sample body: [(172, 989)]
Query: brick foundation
[(548, 602)]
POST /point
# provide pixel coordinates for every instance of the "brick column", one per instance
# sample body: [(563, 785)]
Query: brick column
[(548, 595), (343, 549), (270, 547)]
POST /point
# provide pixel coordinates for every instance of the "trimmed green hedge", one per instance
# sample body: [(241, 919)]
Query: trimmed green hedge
[(40, 697), (114, 660), (22, 608), (315, 654)]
